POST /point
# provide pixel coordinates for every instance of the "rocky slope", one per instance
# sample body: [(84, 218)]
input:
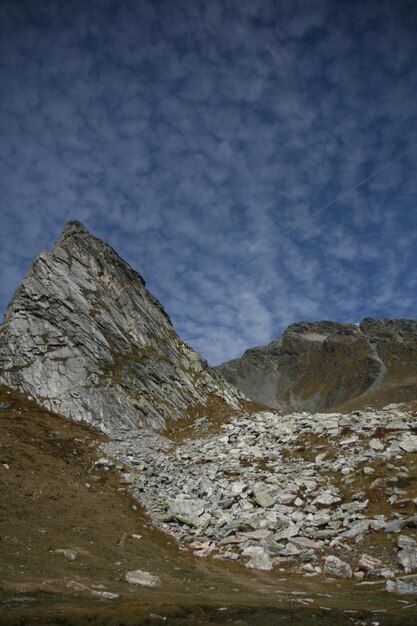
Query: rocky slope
[(323, 365), (85, 337), (330, 493)]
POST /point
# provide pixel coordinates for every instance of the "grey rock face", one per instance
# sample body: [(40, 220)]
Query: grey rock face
[(84, 335), (321, 365)]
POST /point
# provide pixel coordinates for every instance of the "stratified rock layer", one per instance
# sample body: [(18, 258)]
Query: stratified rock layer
[(84, 335), (322, 365)]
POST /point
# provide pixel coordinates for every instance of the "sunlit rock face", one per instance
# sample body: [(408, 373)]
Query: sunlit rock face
[(84, 335), (322, 365)]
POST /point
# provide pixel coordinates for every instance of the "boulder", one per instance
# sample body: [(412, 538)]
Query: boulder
[(404, 584), (140, 577), (259, 560), (408, 443), (368, 563), (407, 559), (333, 566)]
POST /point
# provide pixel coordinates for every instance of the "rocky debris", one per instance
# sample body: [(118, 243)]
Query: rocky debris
[(145, 579), (85, 337), (261, 491), (321, 365)]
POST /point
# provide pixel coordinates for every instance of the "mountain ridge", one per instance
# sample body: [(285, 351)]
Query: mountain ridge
[(326, 365)]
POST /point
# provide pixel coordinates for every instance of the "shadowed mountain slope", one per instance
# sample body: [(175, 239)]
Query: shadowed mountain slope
[(84, 335), (323, 365)]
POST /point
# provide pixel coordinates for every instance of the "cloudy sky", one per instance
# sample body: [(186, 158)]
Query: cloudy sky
[(255, 160)]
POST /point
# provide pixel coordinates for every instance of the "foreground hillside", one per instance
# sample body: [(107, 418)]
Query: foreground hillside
[(326, 365), (71, 530)]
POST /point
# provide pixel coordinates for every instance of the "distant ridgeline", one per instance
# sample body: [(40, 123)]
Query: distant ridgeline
[(324, 365)]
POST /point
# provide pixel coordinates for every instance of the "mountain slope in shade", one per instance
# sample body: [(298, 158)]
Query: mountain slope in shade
[(84, 335), (322, 365)]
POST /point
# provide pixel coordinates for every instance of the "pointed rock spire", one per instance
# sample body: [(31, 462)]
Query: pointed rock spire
[(85, 336)]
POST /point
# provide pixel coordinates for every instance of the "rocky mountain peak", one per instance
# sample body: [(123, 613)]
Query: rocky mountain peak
[(84, 335), (74, 228)]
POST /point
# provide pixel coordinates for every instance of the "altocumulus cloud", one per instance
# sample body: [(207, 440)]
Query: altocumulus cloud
[(203, 139)]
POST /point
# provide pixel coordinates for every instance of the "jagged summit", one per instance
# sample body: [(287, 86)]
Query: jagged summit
[(323, 365), (75, 233), (74, 228), (84, 335)]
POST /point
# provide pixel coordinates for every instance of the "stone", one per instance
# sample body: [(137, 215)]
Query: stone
[(237, 488), (286, 533), (327, 498), (403, 585), (408, 443), (143, 578), (376, 445), (333, 566), (263, 498), (259, 560), (377, 524), (395, 526), (407, 559), (78, 587), (290, 550), (368, 562), (306, 543), (71, 555), (286, 498), (187, 507), (411, 522), (358, 527), (368, 470), (403, 541), (107, 595)]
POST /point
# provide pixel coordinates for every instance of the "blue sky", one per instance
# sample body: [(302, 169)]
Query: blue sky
[(220, 146)]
